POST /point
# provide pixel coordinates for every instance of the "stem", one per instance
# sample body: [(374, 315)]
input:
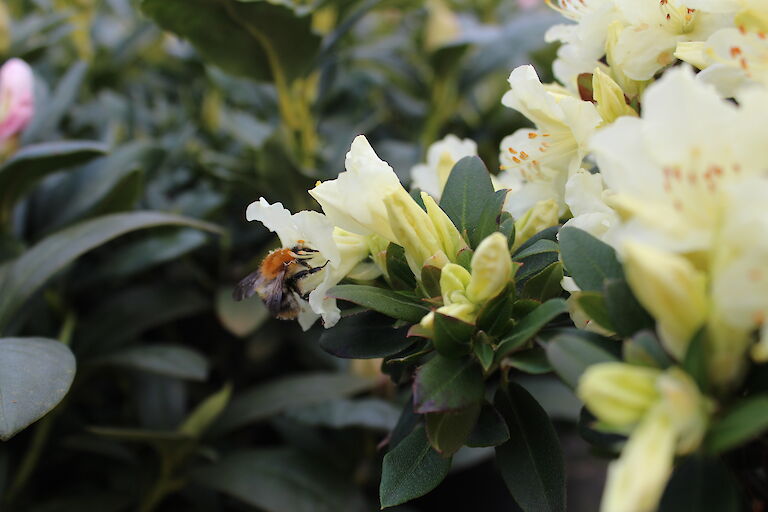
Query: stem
[(30, 460)]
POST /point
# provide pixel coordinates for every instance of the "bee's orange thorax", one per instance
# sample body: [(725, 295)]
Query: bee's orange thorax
[(275, 262)]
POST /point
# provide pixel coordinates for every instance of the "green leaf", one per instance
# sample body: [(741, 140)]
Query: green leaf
[(533, 360), (451, 336), (695, 362), (280, 480), (466, 193), (21, 278), (175, 361), (702, 484), (625, 312), (410, 470), (430, 280), (645, 349), (594, 305), (391, 303), (400, 275), (587, 259), (532, 323), (369, 413), (143, 436), (571, 352), (206, 413), (367, 335), (489, 220), (444, 384), (274, 397), (258, 40), (546, 284), (240, 318), (31, 163), (490, 429), (35, 374), (741, 423), (531, 461), (541, 246), (448, 431), (49, 115)]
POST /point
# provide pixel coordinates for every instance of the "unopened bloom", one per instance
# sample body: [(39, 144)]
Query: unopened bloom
[(664, 414), (610, 99), (337, 253), (441, 157), (491, 269), (17, 98)]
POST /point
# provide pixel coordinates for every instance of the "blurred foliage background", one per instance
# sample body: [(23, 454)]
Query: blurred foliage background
[(183, 399)]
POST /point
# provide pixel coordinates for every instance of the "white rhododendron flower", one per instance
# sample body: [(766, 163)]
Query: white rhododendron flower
[(338, 252), (441, 157), (543, 159), (585, 196)]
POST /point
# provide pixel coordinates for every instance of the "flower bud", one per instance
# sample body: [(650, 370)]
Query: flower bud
[(17, 98), (467, 313), (450, 238), (688, 409), (619, 394), (671, 289), (491, 269), (453, 283), (412, 229), (637, 479), (543, 215), (611, 103)]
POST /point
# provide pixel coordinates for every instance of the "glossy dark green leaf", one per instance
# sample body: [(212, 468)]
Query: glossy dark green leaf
[(547, 234), (572, 351), (702, 484), (279, 480), (162, 359), (546, 284), (531, 461), (740, 423), (366, 335), (391, 303), (25, 275), (696, 362), (445, 384), (530, 325), (400, 275), (451, 336), (430, 280), (448, 431), (541, 246), (257, 39), (588, 260), (644, 348), (35, 374), (595, 307), (489, 220), (369, 413), (49, 115), (410, 470), (31, 163), (490, 429), (533, 360), (466, 193), (626, 314), (265, 400)]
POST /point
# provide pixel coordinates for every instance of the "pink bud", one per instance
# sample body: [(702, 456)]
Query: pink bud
[(17, 97), (528, 4)]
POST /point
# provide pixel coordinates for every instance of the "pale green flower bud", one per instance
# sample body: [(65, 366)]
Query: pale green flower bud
[(454, 280), (427, 323), (450, 238), (611, 103), (619, 394), (671, 289), (467, 313), (543, 215), (637, 479), (412, 229), (491, 269)]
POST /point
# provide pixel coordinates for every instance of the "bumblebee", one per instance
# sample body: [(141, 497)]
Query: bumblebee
[(278, 281)]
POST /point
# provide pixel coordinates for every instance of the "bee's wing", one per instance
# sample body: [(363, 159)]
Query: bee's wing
[(249, 285)]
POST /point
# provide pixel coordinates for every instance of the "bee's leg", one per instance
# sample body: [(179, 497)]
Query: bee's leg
[(291, 281)]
